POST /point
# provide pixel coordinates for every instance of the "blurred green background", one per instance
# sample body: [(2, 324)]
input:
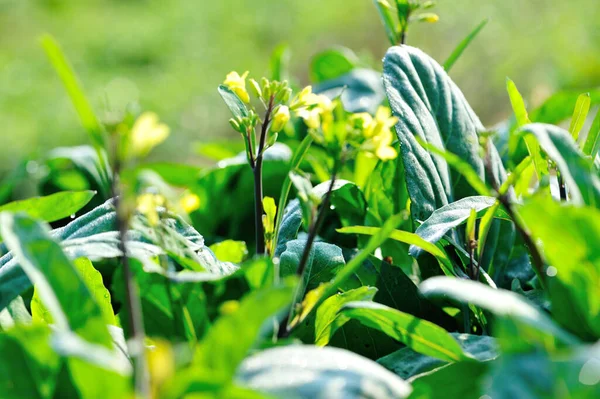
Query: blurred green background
[(170, 55)]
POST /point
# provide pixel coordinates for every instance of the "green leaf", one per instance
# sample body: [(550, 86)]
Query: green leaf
[(407, 238), (230, 251), (323, 263), (448, 217), (532, 323), (457, 52), (93, 281), (407, 363), (176, 174), (86, 161), (69, 79), (332, 63), (582, 107), (518, 104), (559, 106), (420, 335), (233, 102), (308, 372), (328, 320), (232, 336), (574, 167), (14, 314), (230, 181), (171, 309), (360, 90), (59, 285), (570, 239), (435, 111), (592, 142), (543, 375), (280, 59), (387, 18), (442, 383), (51, 207), (94, 236), (522, 118), (28, 365), (299, 154)]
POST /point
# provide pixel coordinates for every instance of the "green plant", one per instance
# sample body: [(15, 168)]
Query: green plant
[(455, 262)]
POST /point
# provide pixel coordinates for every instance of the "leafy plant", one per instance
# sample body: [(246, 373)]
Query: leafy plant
[(401, 249)]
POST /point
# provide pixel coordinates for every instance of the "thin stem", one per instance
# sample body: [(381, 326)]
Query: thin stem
[(561, 186), (314, 230), (284, 330), (132, 302), (258, 189), (536, 258)]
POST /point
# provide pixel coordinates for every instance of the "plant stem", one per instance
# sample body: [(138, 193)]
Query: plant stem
[(136, 336), (314, 230), (561, 186), (536, 258), (258, 189), (132, 302), (312, 234)]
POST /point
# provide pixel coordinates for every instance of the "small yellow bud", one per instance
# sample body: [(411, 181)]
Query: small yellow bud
[(189, 202), (147, 204), (255, 88), (229, 307), (237, 84), (146, 134), (280, 118)]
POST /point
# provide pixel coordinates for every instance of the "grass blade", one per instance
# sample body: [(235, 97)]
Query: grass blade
[(582, 107), (592, 142), (463, 45)]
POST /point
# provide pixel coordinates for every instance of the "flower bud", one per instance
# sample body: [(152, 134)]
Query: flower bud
[(280, 118)]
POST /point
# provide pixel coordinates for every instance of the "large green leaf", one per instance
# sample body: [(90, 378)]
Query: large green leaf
[(530, 321), (450, 216), (332, 63), (570, 239), (310, 372), (93, 281), (328, 320), (462, 380), (28, 365), (59, 285), (360, 90), (171, 308), (52, 207), (228, 185), (431, 108), (94, 236), (540, 375), (422, 336), (323, 262), (574, 167), (407, 363)]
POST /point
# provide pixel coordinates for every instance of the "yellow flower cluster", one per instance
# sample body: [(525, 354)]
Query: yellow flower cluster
[(377, 133), (329, 126), (147, 204)]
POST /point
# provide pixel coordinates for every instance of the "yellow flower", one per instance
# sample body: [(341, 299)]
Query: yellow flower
[(161, 364), (237, 84), (320, 112), (147, 133), (384, 121), (377, 133), (147, 204), (189, 202), (280, 119)]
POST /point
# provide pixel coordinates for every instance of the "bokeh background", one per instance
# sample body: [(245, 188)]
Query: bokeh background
[(170, 55)]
